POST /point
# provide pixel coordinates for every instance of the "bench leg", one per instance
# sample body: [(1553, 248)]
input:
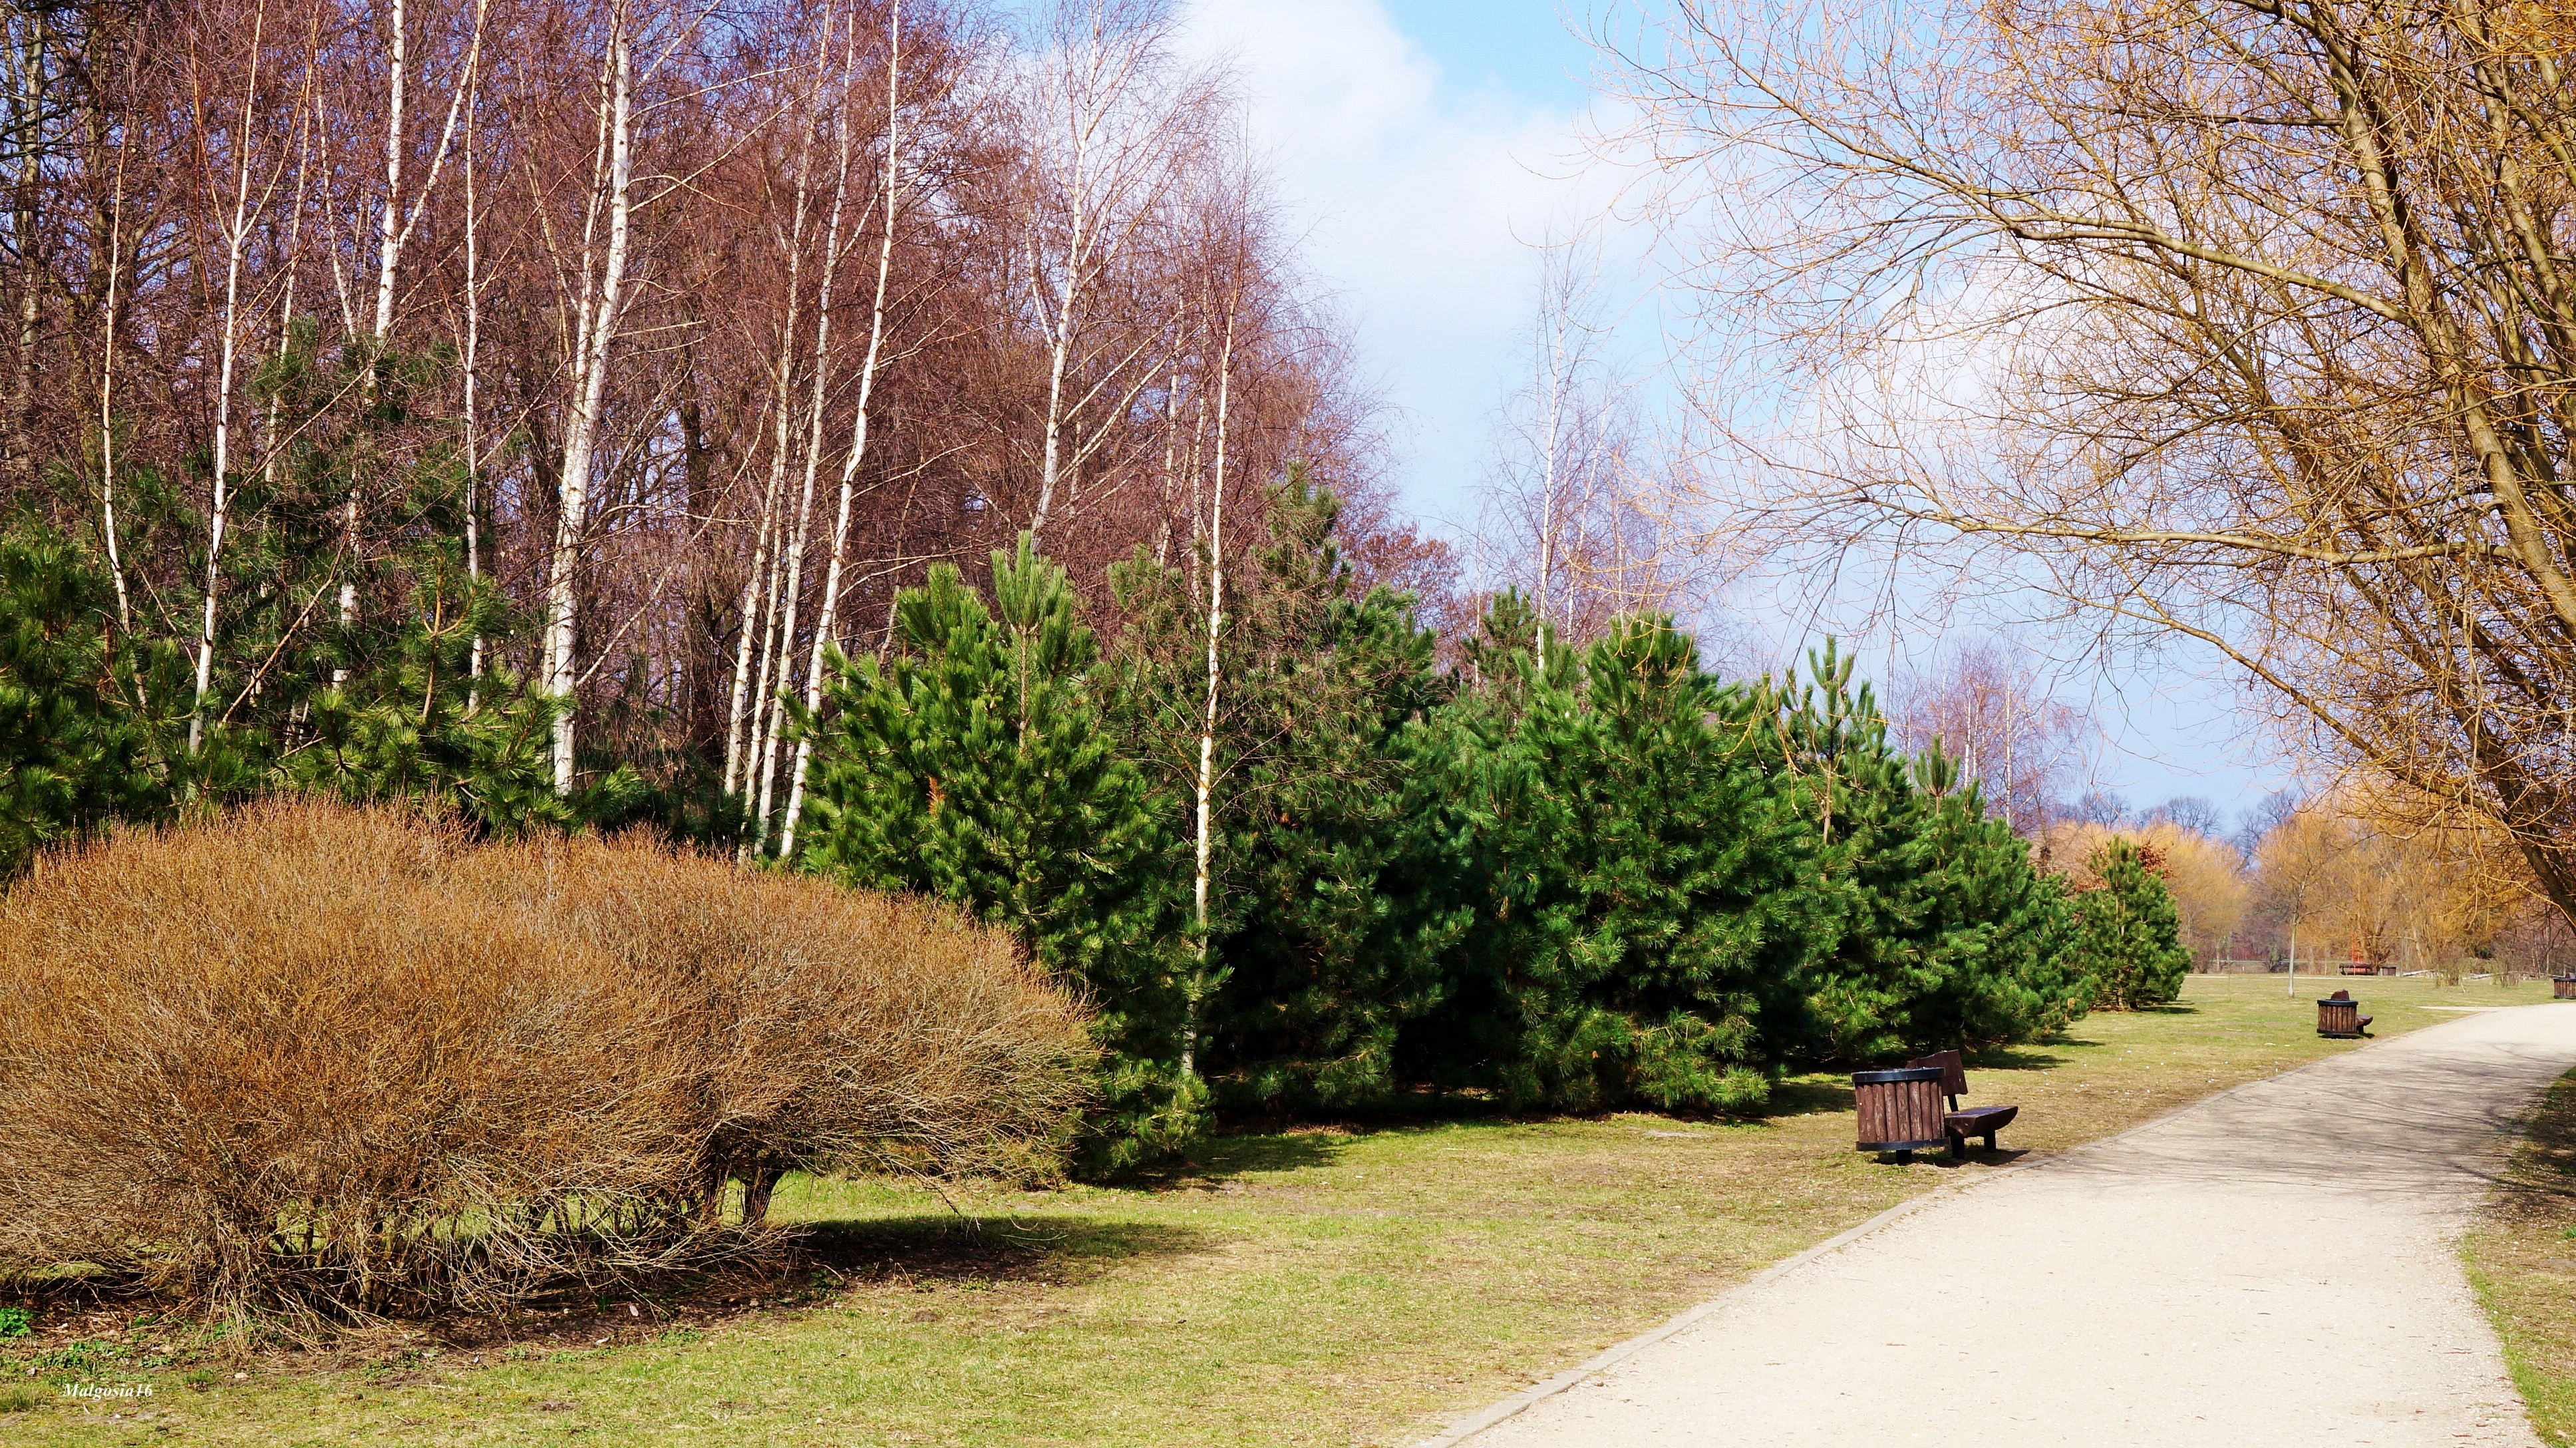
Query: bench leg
[(1959, 1145), (1990, 1142)]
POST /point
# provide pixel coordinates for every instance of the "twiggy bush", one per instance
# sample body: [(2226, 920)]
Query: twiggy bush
[(331, 1064)]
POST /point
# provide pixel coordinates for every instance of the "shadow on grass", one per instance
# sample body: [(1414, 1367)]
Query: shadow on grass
[(1943, 1160), (988, 1249), (1813, 1096), (2022, 1058), (1223, 1158)]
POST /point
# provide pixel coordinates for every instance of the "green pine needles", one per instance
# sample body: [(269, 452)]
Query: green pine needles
[(1619, 881), (2127, 933), (975, 765), (1615, 880)]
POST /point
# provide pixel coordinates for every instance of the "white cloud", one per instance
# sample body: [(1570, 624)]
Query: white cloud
[(1421, 200)]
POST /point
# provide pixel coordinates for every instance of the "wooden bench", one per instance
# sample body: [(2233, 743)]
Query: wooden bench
[(2339, 1018), (1960, 1123)]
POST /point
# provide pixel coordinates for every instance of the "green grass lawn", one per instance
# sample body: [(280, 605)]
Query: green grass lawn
[(1331, 1286), (2522, 1260)]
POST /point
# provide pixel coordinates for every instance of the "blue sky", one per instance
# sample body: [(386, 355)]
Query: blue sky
[(1423, 144)]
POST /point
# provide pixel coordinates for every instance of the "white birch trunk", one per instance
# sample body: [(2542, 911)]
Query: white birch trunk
[(107, 400), (827, 618), (392, 230), (597, 336), (1547, 483), (1068, 308), (760, 699), (1171, 462), (737, 764), (473, 435), (817, 394), (1059, 351), (294, 251), (235, 232), (388, 245), (1207, 722)]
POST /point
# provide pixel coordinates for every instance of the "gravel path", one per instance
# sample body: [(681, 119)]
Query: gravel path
[(2277, 1265)]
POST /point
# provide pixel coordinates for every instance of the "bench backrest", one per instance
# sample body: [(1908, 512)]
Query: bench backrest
[(1954, 1072)]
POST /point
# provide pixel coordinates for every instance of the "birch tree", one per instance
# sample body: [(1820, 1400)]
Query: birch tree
[(1203, 978), (827, 617), (607, 228), (1113, 126), (787, 579), (245, 135), (395, 221)]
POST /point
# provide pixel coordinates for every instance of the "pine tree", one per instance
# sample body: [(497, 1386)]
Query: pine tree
[(1646, 893), (1999, 968), (1946, 935), (415, 724), (73, 755), (2127, 933), (1329, 920), (975, 766)]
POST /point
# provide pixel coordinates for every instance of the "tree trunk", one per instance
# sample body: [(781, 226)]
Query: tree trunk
[(236, 232), (1207, 722), (827, 618), (596, 336)]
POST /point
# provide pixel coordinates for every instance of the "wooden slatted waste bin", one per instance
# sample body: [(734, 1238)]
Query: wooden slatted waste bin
[(2563, 987), (1901, 1110), (2339, 1016)]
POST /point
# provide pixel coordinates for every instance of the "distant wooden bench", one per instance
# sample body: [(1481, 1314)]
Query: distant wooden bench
[(2339, 1018), (1963, 1122)]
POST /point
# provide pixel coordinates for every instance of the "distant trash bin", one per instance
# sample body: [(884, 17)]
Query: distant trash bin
[(1900, 1110), (2562, 987)]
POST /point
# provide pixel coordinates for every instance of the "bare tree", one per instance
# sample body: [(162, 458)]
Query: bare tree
[(1568, 510), (1989, 706), (236, 226), (220, 233), (598, 311), (827, 618), (2243, 322), (1113, 127)]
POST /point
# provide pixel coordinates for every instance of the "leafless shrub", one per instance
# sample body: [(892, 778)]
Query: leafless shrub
[(322, 1065)]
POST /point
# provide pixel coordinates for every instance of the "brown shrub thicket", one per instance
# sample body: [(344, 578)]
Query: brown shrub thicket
[(339, 1063)]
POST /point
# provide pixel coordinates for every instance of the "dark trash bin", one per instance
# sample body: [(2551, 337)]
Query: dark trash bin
[(2563, 987), (2339, 1018), (1900, 1110)]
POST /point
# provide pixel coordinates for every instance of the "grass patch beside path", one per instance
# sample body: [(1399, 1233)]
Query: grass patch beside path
[(2522, 1261), (1330, 1286)]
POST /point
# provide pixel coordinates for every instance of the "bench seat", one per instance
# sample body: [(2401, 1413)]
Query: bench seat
[(1960, 1123), (1982, 1121)]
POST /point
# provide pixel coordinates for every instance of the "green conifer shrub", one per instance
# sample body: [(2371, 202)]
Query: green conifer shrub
[(1645, 893), (73, 754), (2126, 933), (974, 766), (1327, 915), (1947, 935), (1998, 970)]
